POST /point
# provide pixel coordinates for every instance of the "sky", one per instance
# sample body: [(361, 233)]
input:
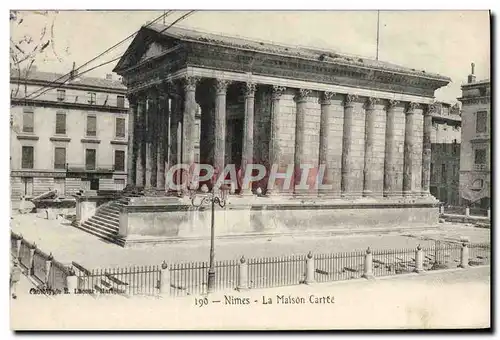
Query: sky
[(443, 42)]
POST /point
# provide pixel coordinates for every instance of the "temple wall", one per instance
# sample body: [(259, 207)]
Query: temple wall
[(312, 128), (335, 142), (286, 134)]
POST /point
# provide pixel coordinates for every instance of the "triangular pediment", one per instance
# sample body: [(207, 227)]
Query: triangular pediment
[(147, 44)]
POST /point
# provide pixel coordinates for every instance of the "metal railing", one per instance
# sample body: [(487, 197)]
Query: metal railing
[(276, 271), (190, 278), (141, 280)]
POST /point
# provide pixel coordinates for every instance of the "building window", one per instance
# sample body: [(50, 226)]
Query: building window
[(61, 95), (119, 160), (94, 184), (27, 186), (28, 121), (481, 117), (27, 157), (119, 184), (90, 159), (59, 158), (120, 128), (92, 98), (480, 156), (120, 101), (60, 123), (91, 126), (443, 172)]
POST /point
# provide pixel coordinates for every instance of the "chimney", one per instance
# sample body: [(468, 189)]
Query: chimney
[(109, 76), (472, 76), (74, 73)]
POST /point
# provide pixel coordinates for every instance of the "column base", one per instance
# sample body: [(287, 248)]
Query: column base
[(419, 271), (368, 276), (368, 193)]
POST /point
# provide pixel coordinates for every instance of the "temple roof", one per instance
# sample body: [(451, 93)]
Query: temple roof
[(327, 56)]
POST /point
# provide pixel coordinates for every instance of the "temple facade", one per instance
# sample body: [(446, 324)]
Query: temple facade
[(202, 98)]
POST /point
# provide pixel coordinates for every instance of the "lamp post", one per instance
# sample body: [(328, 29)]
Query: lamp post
[(216, 196)]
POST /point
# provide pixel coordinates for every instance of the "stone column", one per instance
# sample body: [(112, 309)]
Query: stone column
[(162, 141), (141, 127), (188, 126), (131, 150), (274, 145), (150, 145), (247, 154), (426, 152), (408, 149), (299, 156), (175, 128), (369, 141), (324, 137), (347, 178), (220, 124), (390, 149)]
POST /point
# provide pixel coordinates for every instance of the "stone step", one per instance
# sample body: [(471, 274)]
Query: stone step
[(111, 214), (112, 207), (85, 227), (103, 226), (106, 221)]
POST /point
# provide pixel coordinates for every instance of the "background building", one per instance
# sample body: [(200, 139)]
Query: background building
[(476, 143), (445, 154), (67, 134)]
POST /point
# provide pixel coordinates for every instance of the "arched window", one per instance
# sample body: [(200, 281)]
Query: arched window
[(477, 184)]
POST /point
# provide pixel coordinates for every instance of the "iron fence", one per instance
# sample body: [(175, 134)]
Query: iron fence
[(142, 280), (24, 255), (479, 254), (57, 278), (339, 266), (276, 271), (188, 278), (393, 262), (39, 267)]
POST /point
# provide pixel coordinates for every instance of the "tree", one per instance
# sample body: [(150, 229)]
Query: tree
[(31, 41)]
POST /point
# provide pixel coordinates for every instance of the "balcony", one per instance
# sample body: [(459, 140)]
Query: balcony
[(481, 167), (89, 168)]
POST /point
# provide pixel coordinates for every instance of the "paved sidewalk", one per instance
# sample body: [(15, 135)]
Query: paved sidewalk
[(68, 244), (446, 299)]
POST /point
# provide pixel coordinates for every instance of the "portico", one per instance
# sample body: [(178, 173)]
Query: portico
[(360, 124)]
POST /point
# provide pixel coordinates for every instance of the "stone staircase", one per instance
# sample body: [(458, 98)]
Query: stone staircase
[(105, 223)]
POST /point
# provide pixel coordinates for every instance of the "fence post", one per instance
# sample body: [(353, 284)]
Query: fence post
[(464, 256), (19, 243), (441, 209), (467, 211), (31, 259), (71, 281), (48, 264), (309, 269), (164, 280), (419, 260), (368, 272), (243, 277), (489, 213)]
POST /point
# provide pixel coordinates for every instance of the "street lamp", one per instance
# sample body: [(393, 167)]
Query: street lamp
[(219, 197)]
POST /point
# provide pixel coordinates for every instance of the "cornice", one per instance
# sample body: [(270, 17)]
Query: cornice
[(54, 86), (65, 105)]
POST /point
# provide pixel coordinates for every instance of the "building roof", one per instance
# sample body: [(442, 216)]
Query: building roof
[(478, 82), (49, 77), (324, 55)]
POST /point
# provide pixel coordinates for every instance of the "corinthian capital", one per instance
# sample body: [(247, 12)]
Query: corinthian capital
[(302, 95), (190, 83), (392, 103), (221, 85), (432, 108), (370, 103), (278, 92), (249, 89), (411, 107), (349, 99), (326, 98)]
